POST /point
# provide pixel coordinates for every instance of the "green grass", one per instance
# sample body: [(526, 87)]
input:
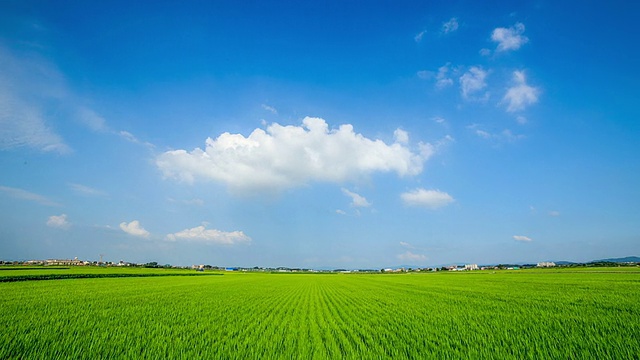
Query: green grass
[(507, 314)]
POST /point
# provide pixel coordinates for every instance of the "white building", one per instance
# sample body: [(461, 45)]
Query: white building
[(546, 264), (471, 267)]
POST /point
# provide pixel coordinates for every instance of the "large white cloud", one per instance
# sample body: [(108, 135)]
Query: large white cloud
[(210, 236), (58, 221), (134, 228), (432, 199), (521, 95), (509, 38), (288, 156)]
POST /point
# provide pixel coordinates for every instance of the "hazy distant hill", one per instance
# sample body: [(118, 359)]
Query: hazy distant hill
[(620, 260)]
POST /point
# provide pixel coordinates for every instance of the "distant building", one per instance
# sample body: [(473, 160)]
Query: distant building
[(75, 261), (546, 264), (471, 267)]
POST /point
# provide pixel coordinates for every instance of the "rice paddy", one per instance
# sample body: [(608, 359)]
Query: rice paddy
[(526, 314)]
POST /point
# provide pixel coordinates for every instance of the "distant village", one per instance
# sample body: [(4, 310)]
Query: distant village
[(202, 267)]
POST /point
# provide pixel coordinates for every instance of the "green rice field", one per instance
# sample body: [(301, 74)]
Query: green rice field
[(521, 314)]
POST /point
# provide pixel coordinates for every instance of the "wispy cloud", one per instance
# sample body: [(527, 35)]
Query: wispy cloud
[(288, 156), (450, 26), (509, 38), (86, 190), (554, 213), (522, 238), (210, 236), (91, 119), (191, 202), (419, 36), (432, 199), (356, 199), (58, 221), (521, 95), (134, 228), (505, 135), (26, 195), (409, 256), (270, 109)]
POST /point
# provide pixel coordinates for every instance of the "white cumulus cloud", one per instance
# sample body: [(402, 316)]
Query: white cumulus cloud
[(473, 81), (521, 95), (58, 221), (288, 156), (210, 236), (409, 256), (522, 238), (134, 228), (432, 199), (509, 38), (356, 199)]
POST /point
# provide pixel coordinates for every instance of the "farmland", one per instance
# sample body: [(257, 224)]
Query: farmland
[(504, 314)]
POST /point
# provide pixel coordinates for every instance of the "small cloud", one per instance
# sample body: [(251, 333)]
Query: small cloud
[(425, 74), (190, 202), (483, 134), (410, 246), (505, 135), (419, 36), (86, 190), (522, 238), (554, 213), (59, 222), (509, 38), (210, 236), (92, 120), (134, 228), (401, 136), (450, 26), (439, 120), (341, 212), (442, 79), (356, 199), (26, 195), (133, 139), (485, 52), (521, 95), (409, 256), (431, 199), (270, 109), (472, 82), (521, 120)]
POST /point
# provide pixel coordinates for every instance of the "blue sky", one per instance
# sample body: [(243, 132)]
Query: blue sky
[(342, 134)]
